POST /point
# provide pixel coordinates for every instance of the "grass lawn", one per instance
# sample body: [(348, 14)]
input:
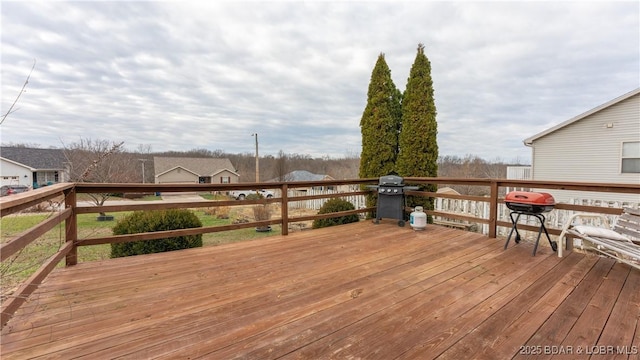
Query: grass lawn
[(27, 261)]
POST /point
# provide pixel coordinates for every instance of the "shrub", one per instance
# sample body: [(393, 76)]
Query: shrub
[(254, 196), (219, 212), (160, 220), (332, 206), (261, 212)]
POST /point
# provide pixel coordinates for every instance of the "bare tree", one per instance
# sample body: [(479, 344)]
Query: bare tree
[(99, 161), (24, 86), (471, 166), (144, 149), (282, 167)]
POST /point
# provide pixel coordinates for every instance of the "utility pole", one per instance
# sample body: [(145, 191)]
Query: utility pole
[(257, 159), (142, 161)]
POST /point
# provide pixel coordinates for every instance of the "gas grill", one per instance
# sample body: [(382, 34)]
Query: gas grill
[(531, 204), (391, 198)]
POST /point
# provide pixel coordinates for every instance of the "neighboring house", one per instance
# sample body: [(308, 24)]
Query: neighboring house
[(194, 170), (32, 167), (601, 145), (447, 190), (518, 172), (304, 175)]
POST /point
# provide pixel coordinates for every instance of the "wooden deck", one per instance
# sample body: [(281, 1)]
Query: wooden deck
[(358, 291)]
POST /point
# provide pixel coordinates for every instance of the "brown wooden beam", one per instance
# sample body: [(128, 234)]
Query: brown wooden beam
[(71, 227), (493, 210), (26, 237), (284, 209), (11, 305)]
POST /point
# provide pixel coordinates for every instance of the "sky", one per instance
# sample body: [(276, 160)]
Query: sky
[(182, 75)]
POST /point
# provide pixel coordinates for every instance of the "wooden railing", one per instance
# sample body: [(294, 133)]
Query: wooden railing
[(69, 210), (494, 199)]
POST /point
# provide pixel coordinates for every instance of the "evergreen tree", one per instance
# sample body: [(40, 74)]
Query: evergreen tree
[(418, 156), (380, 124)]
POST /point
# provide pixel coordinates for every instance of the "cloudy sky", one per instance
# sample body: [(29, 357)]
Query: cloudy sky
[(195, 74)]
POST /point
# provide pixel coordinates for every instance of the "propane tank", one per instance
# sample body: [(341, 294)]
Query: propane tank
[(418, 219)]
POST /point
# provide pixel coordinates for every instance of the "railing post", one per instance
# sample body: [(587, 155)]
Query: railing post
[(493, 210), (71, 227), (284, 209)]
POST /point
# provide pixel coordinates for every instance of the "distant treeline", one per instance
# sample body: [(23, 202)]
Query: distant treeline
[(271, 167)]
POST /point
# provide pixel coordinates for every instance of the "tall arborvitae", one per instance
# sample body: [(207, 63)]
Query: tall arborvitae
[(418, 155), (380, 124)]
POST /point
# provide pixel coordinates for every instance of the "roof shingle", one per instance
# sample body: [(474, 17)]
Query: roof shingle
[(37, 159), (199, 166)]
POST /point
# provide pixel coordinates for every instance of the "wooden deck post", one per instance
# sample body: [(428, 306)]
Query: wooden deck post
[(493, 210), (71, 227), (284, 209)]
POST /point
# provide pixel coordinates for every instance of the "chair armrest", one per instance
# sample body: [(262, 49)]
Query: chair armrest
[(562, 239)]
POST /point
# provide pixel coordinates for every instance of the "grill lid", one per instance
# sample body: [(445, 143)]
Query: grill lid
[(391, 180), (529, 202), (532, 198)]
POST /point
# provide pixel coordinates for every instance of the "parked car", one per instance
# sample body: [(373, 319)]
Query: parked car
[(12, 189), (242, 194)]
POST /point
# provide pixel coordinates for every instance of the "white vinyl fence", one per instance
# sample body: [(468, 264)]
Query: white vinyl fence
[(554, 219), (315, 204)]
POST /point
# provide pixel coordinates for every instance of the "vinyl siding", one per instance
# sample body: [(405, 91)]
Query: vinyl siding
[(15, 174), (587, 150), (178, 175), (216, 179)]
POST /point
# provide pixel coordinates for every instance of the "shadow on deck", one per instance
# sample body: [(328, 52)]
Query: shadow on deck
[(353, 291)]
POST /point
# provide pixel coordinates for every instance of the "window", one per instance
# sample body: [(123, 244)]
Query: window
[(225, 179), (631, 157)]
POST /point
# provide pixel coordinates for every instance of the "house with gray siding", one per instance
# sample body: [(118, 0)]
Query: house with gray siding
[(194, 170), (601, 145), (32, 167)]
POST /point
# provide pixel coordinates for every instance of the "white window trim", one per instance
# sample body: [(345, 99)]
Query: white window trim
[(622, 157)]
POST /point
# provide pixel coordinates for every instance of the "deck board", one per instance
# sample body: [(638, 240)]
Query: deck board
[(503, 314), (354, 291)]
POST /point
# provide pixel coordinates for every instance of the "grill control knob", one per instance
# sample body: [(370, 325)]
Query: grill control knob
[(395, 190)]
